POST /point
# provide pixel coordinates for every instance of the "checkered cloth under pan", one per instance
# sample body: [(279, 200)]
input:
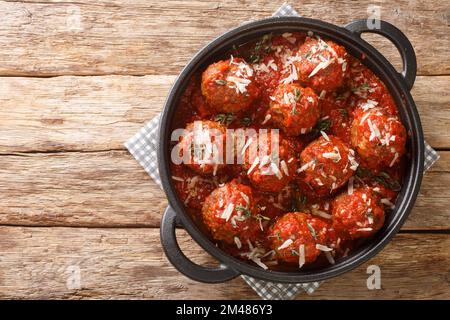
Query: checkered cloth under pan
[(143, 146)]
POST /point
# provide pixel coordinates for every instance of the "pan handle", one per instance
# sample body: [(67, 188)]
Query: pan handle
[(398, 38), (181, 262)]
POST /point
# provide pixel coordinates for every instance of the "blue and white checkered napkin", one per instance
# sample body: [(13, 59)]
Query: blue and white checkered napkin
[(144, 145)]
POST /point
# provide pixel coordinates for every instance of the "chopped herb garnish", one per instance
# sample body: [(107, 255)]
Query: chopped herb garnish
[(383, 178), (299, 203), (344, 112), (294, 252), (244, 210), (246, 121), (361, 88), (225, 118), (220, 82), (340, 97), (386, 180), (277, 235), (361, 172), (311, 229), (322, 125), (261, 217), (254, 58), (294, 110), (264, 43), (297, 93), (262, 46)]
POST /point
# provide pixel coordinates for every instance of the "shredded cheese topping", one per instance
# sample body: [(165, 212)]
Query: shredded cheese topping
[(285, 244)]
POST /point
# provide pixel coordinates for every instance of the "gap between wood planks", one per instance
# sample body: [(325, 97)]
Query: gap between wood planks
[(43, 76), (408, 231), (38, 152)]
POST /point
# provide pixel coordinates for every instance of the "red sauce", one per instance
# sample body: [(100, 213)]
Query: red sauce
[(340, 160)]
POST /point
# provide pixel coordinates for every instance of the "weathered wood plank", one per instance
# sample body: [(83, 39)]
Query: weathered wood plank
[(49, 38), (92, 189), (73, 263), (100, 113), (76, 113), (111, 189)]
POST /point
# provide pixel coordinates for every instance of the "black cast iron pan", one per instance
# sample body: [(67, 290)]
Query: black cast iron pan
[(399, 84)]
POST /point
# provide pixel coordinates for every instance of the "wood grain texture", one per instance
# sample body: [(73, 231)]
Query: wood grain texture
[(48, 38), (77, 113), (110, 189), (129, 263), (100, 113)]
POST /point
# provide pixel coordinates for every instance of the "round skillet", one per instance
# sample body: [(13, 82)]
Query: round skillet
[(399, 85)]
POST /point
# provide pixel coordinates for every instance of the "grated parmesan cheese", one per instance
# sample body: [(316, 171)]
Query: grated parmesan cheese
[(276, 171), (394, 159), (255, 163), (265, 160), (285, 244), (374, 132), (305, 166), (330, 258), (238, 242), (323, 248), (301, 256), (226, 214), (321, 214), (320, 66), (386, 201), (240, 84), (266, 119), (324, 135), (350, 185), (284, 167)]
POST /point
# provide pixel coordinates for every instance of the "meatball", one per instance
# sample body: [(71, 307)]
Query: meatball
[(359, 214), (269, 169), (298, 238), (294, 109), (335, 110), (378, 138), (322, 65), (365, 85), (229, 86), (202, 146), (231, 215), (326, 165)]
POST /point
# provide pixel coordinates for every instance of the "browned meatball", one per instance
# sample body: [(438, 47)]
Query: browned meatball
[(229, 213), (202, 147), (294, 109), (323, 65), (359, 214), (378, 138), (229, 85), (267, 168), (326, 165), (298, 238)]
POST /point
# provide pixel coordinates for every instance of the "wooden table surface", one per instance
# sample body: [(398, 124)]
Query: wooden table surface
[(80, 78)]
